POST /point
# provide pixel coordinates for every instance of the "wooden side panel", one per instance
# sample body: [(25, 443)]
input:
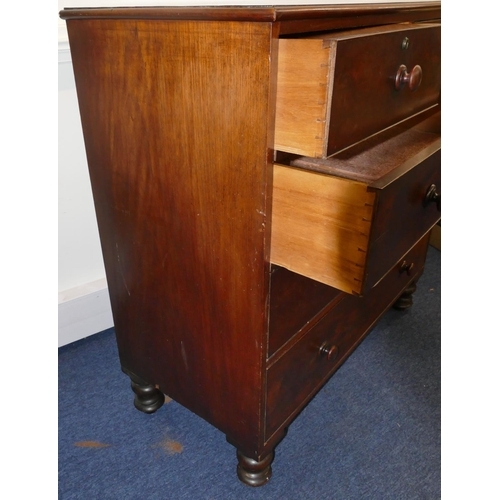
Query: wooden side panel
[(303, 97), (321, 226), (178, 146)]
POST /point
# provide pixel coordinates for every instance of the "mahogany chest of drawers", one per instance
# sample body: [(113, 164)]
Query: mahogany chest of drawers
[(265, 180)]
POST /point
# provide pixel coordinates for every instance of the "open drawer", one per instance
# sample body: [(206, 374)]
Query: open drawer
[(347, 220), (336, 89)]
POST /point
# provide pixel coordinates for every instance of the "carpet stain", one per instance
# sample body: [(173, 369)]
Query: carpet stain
[(170, 446), (174, 446), (91, 444)]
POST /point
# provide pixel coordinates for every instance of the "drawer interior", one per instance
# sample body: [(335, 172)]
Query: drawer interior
[(346, 220), (321, 226)]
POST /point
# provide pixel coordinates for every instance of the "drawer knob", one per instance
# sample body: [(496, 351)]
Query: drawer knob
[(432, 196), (413, 78), (406, 267), (330, 351)]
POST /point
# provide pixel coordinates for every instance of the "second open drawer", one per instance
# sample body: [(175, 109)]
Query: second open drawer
[(346, 227)]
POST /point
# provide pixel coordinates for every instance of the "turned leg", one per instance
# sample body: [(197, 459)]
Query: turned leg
[(405, 300), (147, 397), (253, 472)]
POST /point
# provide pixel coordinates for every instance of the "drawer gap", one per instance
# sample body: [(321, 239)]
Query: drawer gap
[(396, 146), (297, 303)]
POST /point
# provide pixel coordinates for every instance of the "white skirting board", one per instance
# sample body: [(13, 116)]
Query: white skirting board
[(84, 311)]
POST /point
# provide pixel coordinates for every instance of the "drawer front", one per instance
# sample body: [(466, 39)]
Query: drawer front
[(406, 209), (365, 98), (295, 302), (352, 85), (294, 378)]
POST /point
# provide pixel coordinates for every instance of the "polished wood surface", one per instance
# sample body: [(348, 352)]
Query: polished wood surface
[(295, 302), (382, 158), (348, 321), (402, 216), (364, 95), (178, 162), (287, 19), (345, 221), (411, 11), (178, 112), (339, 88)]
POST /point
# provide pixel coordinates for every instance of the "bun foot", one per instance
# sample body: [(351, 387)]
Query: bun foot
[(405, 301), (254, 473), (148, 398)]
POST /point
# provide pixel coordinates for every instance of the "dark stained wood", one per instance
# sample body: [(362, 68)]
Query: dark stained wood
[(254, 472), (365, 99), (290, 16), (400, 165), (405, 300), (290, 19), (296, 301), (385, 156), (178, 119), (148, 398), (338, 88), (178, 157), (296, 375), (406, 10), (402, 215), (206, 13)]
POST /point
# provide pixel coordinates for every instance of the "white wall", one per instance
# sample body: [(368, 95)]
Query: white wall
[(84, 307)]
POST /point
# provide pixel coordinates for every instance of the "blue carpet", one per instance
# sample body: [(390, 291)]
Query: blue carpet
[(373, 432)]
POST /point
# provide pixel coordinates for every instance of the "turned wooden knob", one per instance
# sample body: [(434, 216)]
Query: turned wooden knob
[(406, 267), (432, 196), (413, 78), (330, 351)]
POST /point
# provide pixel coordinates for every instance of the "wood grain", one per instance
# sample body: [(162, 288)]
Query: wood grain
[(335, 94), (303, 98), (321, 226), (345, 221), (295, 301), (177, 146), (296, 375), (401, 215), (289, 18), (178, 108)]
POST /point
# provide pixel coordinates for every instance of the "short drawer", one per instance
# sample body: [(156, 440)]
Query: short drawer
[(340, 230), (294, 377), (337, 89)]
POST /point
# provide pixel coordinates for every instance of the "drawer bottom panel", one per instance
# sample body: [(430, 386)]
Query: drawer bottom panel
[(294, 376)]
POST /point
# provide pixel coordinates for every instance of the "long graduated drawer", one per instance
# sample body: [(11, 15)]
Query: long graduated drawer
[(304, 364), (339, 88), (346, 221)]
